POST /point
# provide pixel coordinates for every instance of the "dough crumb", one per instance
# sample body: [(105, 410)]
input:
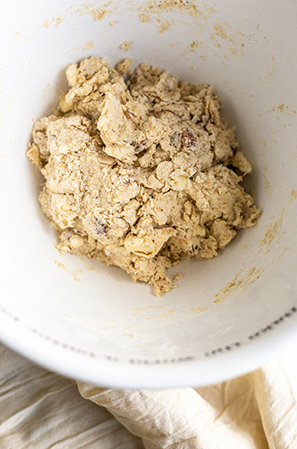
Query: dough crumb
[(113, 24), (240, 161), (141, 171), (126, 45), (177, 277), (164, 26)]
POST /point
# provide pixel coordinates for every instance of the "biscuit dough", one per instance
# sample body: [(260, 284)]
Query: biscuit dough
[(141, 171)]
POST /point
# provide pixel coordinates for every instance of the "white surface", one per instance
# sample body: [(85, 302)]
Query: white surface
[(103, 328)]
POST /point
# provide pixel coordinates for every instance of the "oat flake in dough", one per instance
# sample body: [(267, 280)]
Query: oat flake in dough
[(141, 171)]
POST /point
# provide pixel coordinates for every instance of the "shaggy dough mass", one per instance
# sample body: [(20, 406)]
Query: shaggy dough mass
[(141, 171)]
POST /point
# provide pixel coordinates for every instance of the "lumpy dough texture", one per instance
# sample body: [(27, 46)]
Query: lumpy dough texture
[(141, 171)]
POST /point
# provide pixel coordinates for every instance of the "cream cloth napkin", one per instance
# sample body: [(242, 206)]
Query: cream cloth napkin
[(256, 411), (42, 410)]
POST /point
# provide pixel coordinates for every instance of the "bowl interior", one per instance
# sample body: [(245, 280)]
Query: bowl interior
[(81, 309)]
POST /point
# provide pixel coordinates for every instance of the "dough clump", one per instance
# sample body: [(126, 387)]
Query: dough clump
[(141, 171)]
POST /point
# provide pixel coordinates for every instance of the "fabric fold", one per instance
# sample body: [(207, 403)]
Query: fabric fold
[(255, 411), (177, 418)]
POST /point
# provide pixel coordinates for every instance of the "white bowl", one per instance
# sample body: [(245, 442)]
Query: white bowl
[(228, 315)]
